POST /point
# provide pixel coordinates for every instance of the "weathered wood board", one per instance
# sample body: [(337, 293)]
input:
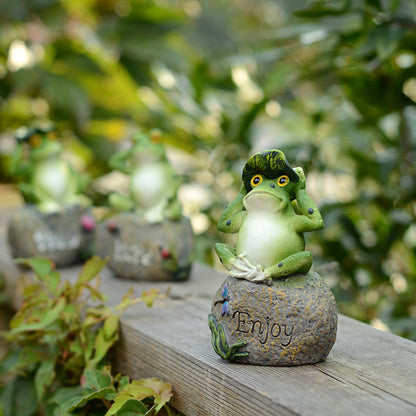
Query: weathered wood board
[(368, 372)]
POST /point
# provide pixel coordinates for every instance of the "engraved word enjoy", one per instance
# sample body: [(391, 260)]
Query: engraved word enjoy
[(48, 242), (264, 329)]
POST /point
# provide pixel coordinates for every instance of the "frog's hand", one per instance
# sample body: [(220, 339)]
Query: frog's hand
[(119, 160), (17, 163), (226, 254), (234, 214), (82, 182), (173, 211), (308, 216), (35, 194), (28, 192), (244, 269)]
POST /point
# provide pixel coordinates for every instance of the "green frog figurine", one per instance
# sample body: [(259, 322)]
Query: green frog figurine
[(271, 309), (153, 182), (147, 237), (270, 214), (49, 181), (55, 220)]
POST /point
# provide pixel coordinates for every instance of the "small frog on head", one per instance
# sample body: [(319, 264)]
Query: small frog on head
[(270, 215)]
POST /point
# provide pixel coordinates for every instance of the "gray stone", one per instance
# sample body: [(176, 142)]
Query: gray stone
[(139, 250), (58, 236), (292, 321)]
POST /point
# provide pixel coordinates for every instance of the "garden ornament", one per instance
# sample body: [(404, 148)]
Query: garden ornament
[(153, 182), (49, 181), (272, 309), (147, 238), (55, 221)]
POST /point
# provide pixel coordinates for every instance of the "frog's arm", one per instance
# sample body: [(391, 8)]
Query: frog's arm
[(30, 193), (17, 164), (233, 215), (173, 210), (120, 159), (308, 217)]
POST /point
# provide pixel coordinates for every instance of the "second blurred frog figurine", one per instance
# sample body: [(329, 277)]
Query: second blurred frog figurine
[(270, 214), (49, 181), (153, 181)]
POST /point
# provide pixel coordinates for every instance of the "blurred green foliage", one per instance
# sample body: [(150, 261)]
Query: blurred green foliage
[(332, 83)]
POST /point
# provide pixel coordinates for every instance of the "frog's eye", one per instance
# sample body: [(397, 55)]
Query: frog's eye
[(256, 180), (283, 180), (35, 140), (156, 136), (52, 136)]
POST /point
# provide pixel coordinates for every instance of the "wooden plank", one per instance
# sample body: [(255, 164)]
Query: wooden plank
[(368, 372)]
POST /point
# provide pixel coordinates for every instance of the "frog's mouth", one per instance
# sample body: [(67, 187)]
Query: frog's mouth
[(261, 200)]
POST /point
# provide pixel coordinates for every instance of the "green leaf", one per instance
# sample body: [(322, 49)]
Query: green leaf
[(21, 359), (40, 265), (80, 401), (110, 327), (64, 394), (128, 300), (132, 407), (18, 397), (44, 377), (95, 379), (388, 39), (50, 316), (162, 391), (102, 346), (124, 380), (129, 392), (319, 10), (91, 269), (149, 296), (96, 294)]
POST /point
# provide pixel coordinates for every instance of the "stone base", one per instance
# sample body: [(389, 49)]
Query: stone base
[(138, 250), (58, 236), (291, 322)]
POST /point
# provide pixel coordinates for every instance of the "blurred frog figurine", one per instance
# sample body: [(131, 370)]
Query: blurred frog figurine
[(49, 181), (270, 215), (153, 181)]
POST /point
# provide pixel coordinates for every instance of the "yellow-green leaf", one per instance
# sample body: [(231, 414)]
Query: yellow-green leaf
[(91, 269), (162, 391)]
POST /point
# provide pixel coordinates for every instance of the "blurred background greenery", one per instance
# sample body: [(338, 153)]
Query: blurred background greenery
[(331, 83)]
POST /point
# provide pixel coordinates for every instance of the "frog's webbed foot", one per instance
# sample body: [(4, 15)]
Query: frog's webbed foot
[(242, 268)]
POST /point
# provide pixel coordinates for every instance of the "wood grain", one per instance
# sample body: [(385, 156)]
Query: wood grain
[(368, 372)]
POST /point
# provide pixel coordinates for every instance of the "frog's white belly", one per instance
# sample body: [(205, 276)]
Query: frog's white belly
[(150, 185), (53, 179), (266, 239)]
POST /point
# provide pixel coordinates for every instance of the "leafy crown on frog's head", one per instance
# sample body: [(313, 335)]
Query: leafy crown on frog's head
[(270, 163)]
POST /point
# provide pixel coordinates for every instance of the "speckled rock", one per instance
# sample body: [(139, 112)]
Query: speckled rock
[(293, 321), (58, 236), (139, 250)]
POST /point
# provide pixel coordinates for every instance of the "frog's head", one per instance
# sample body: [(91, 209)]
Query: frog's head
[(269, 181), (42, 142), (148, 147)]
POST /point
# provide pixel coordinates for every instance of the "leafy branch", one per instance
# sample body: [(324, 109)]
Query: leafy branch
[(62, 334)]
